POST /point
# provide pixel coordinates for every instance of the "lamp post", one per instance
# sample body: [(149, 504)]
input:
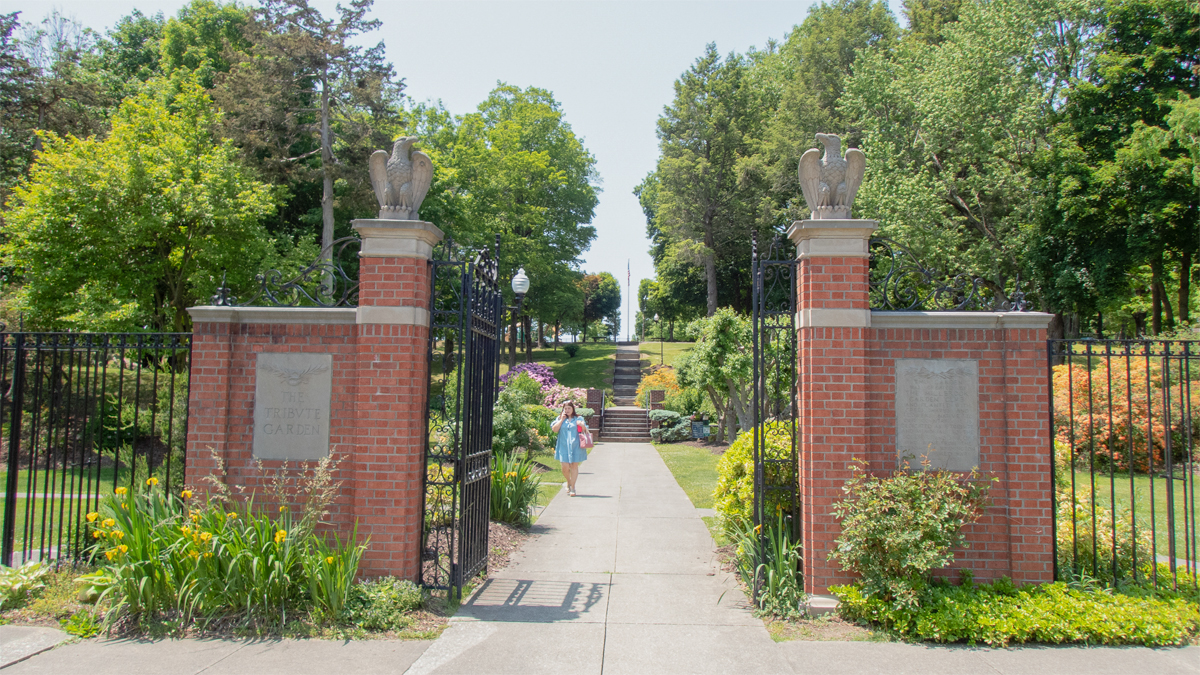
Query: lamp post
[(660, 340), (520, 286)]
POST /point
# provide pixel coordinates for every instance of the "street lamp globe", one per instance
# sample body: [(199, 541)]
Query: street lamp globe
[(520, 283), (656, 317)]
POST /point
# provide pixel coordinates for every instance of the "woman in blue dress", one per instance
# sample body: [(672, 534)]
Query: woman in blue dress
[(568, 426)]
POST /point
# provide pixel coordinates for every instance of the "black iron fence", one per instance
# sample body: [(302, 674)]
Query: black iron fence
[(1124, 419), (82, 414)]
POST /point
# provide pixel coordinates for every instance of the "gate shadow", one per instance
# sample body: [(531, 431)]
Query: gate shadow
[(529, 601)]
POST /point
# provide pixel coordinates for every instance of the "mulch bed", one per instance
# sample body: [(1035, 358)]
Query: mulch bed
[(503, 541)]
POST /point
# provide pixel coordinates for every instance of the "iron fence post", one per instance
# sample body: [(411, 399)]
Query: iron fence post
[(14, 448)]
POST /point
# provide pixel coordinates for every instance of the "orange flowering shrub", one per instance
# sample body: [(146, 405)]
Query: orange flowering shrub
[(1117, 411), (660, 377)]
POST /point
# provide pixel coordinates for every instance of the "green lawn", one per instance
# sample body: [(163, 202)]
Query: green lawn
[(666, 352), (591, 367), (1141, 489), (695, 469)]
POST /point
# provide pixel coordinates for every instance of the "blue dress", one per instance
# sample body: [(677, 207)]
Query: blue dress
[(567, 449)]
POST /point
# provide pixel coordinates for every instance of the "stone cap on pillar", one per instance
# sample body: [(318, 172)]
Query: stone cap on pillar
[(396, 238), (832, 238)]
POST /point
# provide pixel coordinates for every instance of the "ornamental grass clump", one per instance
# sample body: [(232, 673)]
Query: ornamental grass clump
[(173, 558), (514, 489), (897, 529), (771, 561)]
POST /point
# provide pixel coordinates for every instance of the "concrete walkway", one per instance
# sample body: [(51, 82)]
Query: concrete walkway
[(622, 580)]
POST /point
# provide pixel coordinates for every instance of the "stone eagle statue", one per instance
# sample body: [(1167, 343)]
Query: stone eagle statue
[(829, 183), (400, 180)]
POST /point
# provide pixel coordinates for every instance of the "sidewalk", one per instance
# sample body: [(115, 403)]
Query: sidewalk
[(622, 580)]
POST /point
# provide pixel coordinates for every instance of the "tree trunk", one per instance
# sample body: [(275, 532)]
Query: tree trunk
[(528, 339), (541, 334), (1185, 286), (512, 342), (448, 354), (710, 272), (670, 331), (326, 173), (1156, 296), (557, 328)]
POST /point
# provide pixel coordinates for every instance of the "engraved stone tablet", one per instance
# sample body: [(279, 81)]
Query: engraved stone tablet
[(937, 405), (291, 405)]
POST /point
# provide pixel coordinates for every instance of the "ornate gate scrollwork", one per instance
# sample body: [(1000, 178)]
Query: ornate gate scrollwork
[(465, 318)]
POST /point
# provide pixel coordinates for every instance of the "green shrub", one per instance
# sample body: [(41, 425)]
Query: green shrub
[(514, 489), (571, 349), (665, 417), (510, 422), (772, 560), (999, 614), (686, 401), (680, 431), (897, 529), (17, 584), (525, 389), (383, 604), (734, 495)]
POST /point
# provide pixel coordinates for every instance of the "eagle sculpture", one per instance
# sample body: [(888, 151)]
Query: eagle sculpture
[(400, 180), (829, 183)]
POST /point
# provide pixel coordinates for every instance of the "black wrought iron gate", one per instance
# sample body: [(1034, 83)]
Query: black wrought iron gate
[(465, 319), (776, 389)]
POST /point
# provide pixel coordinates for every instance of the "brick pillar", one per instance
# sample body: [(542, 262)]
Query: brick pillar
[(833, 318), (208, 399), (393, 382)]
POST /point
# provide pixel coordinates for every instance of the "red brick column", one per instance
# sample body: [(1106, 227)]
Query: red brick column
[(833, 317), (376, 415), (393, 382)]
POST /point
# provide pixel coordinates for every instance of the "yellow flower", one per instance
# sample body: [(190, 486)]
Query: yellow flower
[(195, 517), (208, 554), (91, 517), (194, 554), (117, 534), (151, 481), (282, 509), (121, 491), (205, 536), (97, 534), (187, 531), (231, 515), (124, 548), (280, 536), (125, 506), (108, 522), (111, 554), (758, 529), (329, 560), (186, 494)]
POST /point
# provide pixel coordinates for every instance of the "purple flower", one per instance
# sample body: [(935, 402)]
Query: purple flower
[(540, 372)]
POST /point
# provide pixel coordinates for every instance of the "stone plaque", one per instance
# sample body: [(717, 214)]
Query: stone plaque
[(291, 405), (937, 406)]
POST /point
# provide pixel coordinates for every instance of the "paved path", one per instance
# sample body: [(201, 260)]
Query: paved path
[(623, 580)]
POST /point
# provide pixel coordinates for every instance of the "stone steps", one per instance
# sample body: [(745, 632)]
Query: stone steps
[(626, 425)]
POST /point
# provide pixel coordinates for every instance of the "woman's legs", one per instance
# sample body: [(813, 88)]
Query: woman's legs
[(570, 472)]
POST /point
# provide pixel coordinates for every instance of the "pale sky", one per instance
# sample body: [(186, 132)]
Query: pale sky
[(611, 64)]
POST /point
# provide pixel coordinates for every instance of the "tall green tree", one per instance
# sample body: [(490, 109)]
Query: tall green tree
[(131, 229), (308, 104), (698, 213), (1119, 207)]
